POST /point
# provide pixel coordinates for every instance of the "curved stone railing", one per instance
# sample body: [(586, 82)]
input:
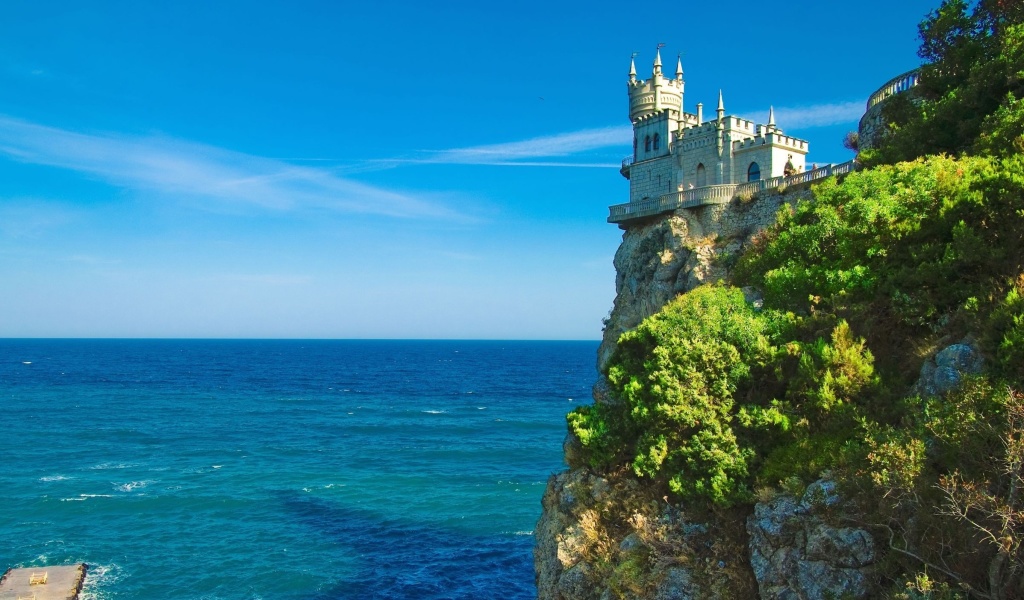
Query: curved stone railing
[(896, 85), (718, 194)]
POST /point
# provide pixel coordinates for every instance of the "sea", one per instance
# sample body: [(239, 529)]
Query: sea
[(283, 469)]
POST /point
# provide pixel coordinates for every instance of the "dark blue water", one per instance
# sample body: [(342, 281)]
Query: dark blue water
[(283, 469)]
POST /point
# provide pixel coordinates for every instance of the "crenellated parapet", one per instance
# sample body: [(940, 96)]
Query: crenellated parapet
[(656, 94)]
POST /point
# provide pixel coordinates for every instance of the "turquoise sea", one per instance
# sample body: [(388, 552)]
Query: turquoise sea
[(211, 469)]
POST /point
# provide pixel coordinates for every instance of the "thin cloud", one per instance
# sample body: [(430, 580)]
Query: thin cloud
[(820, 115), (180, 168), (520, 153)]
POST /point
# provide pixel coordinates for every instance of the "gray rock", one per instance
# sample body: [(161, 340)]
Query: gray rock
[(575, 583), (821, 493), (944, 371), (677, 584), (796, 553), (631, 542)]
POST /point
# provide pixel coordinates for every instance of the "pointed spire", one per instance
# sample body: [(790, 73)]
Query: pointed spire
[(657, 58), (721, 105), (632, 67), (771, 116), (679, 67)]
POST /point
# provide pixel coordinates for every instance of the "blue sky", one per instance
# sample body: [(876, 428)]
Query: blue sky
[(395, 170)]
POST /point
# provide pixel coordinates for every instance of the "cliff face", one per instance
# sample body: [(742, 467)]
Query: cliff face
[(668, 255), (609, 535)]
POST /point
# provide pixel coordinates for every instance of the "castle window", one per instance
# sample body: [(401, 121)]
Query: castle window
[(657, 141), (647, 144), (634, 146), (702, 175), (754, 172)]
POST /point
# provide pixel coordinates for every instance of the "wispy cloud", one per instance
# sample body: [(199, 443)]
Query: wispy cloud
[(180, 168), (525, 153), (819, 115)]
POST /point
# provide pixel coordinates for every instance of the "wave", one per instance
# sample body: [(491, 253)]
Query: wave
[(84, 497), (434, 412), (99, 579), (55, 478), (131, 485), (107, 466)]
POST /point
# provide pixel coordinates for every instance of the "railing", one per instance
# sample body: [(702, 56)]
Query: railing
[(718, 194), (626, 162), (896, 85)]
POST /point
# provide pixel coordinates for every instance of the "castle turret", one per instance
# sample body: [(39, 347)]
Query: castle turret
[(655, 95)]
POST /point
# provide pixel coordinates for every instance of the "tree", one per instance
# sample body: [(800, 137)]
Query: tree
[(969, 88)]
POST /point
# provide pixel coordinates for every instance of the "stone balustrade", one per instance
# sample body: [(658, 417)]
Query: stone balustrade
[(896, 85), (717, 194)]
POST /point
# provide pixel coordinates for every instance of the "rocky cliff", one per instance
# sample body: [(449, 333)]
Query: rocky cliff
[(608, 535)]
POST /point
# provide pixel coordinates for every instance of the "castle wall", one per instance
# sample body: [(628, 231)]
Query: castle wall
[(651, 179), (660, 125)]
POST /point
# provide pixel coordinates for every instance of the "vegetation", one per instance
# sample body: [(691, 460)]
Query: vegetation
[(971, 87), (714, 398)]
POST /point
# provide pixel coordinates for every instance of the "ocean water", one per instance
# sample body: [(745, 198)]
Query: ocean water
[(283, 469)]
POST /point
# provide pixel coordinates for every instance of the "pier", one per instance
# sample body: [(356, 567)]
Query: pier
[(43, 583)]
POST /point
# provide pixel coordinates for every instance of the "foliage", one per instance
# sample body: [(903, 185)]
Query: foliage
[(970, 85), (675, 376), (690, 415)]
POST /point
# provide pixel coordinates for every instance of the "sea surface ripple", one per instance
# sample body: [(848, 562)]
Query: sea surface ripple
[(217, 469)]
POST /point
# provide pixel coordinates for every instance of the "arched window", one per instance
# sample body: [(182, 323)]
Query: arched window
[(647, 144), (634, 146), (702, 175), (754, 172), (657, 141)]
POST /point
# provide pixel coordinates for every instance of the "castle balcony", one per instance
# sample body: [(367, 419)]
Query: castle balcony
[(896, 85), (626, 164), (718, 194)]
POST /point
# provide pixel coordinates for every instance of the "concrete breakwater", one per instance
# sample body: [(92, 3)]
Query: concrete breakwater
[(43, 583)]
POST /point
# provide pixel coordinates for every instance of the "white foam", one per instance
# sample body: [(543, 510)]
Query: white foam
[(55, 478), (106, 466), (131, 485), (97, 579), (26, 362), (434, 412), (84, 497)]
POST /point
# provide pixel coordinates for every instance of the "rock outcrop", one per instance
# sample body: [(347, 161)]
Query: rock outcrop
[(797, 549), (604, 537), (943, 372), (674, 253)]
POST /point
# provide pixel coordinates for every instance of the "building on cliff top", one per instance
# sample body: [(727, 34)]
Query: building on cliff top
[(674, 150)]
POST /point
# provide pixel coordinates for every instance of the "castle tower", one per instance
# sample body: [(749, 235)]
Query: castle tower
[(655, 110), (675, 151)]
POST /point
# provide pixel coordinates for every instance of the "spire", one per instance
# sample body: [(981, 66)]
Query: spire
[(721, 105), (657, 61), (679, 67), (632, 67), (771, 116)]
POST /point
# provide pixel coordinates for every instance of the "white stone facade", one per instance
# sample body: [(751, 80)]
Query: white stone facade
[(674, 150)]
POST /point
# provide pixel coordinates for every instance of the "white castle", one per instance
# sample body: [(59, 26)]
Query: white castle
[(674, 150)]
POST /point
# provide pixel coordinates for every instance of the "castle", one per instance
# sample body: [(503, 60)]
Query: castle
[(675, 151)]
